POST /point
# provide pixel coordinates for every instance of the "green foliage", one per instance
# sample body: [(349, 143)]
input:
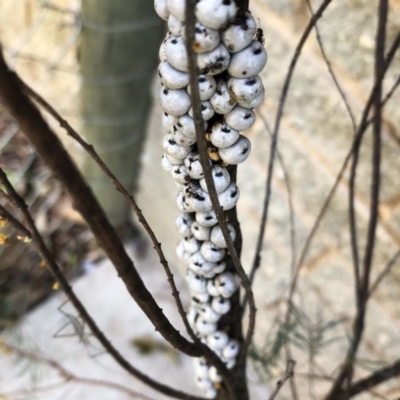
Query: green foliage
[(309, 334)]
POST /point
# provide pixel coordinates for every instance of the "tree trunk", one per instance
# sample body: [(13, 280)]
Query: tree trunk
[(118, 55)]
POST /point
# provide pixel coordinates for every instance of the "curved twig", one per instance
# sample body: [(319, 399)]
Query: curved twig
[(60, 163), (362, 287), (384, 273), (118, 185), (59, 276), (332, 72), (67, 375)]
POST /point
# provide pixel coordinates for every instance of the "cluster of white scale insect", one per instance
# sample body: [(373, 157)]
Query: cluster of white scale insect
[(229, 58)]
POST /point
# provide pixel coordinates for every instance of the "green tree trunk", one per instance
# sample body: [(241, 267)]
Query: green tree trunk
[(118, 56)]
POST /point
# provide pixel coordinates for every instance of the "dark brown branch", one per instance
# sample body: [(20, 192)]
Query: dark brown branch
[(362, 289), (282, 101), (129, 198), (65, 286), (388, 96), (202, 147), (384, 273), (26, 235), (60, 163), (67, 375), (376, 378), (331, 71), (289, 373)]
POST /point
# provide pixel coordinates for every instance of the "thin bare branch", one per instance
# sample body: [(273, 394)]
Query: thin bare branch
[(60, 163), (282, 101), (384, 273), (65, 286), (67, 375), (118, 185), (362, 288), (289, 373), (332, 72), (360, 131), (376, 378), (202, 147)]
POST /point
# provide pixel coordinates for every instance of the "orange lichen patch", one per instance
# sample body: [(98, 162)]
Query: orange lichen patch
[(3, 239), (196, 46), (213, 154), (3, 222)]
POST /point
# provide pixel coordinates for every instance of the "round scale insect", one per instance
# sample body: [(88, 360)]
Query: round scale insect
[(211, 288), (205, 39), (167, 166), (239, 33), (200, 232), (240, 118), (223, 136), (201, 367), (237, 153), (207, 87), (221, 305), (168, 121), (175, 53), (248, 62), (206, 218), (217, 236), (229, 197), (177, 9), (211, 252), (179, 174), (221, 179), (201, 298), (173, 149), (193, 165), (183, 223), (208, 314), (181, 139), (215, 14), (231, 349), (161, 9), (204, 327), (199, 265), (174, 25), (171, 78), (213, 62), (248, 93), (191, 244), (222, 101), (207, 111), (174, 102)]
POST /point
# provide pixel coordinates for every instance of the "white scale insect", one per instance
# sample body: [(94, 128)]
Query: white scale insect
[(230, 58)]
